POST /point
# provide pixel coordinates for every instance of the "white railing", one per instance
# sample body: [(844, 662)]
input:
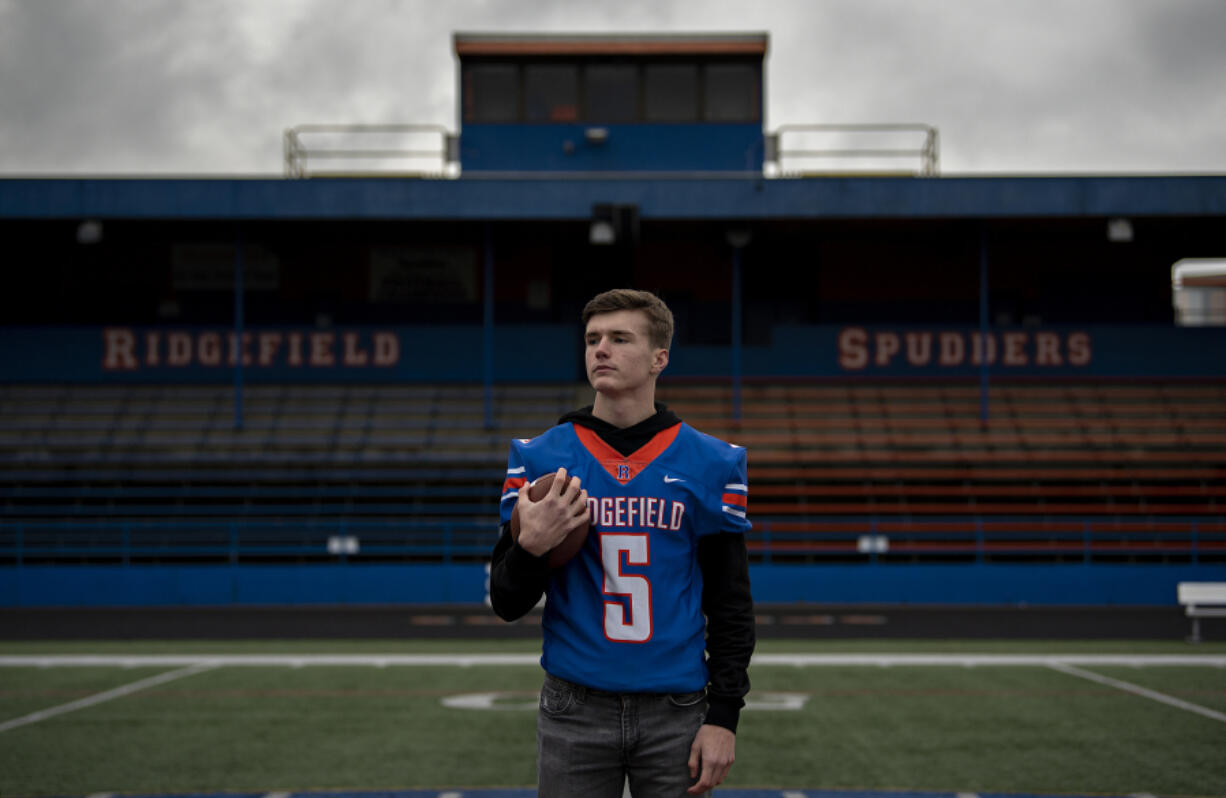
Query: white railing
[(386, 150), (799, 150), (428, 150)]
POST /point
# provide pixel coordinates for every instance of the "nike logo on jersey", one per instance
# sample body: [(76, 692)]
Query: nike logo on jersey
[(670, 480)]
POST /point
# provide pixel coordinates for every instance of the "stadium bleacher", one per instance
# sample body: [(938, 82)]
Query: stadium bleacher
[(910, 471), (852, 471), (160, 473)]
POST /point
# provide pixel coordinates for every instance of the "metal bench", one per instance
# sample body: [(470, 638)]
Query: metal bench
[(1202, 600)]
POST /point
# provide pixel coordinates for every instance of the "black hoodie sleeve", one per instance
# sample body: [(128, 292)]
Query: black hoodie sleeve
[(731, 636), (518, 578)]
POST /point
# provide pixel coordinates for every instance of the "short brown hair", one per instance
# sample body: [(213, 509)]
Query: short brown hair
[(659, 317)]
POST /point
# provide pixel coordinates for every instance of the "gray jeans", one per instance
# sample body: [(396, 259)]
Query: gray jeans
[(590, 742)]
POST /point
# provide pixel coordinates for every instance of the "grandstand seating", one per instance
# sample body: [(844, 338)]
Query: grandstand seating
[(1057, 471), (854, 471), (160, 472)]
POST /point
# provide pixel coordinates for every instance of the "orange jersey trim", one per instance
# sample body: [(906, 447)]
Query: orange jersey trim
[(738, 499), (624, 469)]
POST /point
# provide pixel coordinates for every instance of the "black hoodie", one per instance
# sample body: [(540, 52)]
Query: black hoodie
[(518, 579)]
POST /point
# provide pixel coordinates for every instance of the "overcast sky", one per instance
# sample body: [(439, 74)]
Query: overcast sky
[(1014, 86)]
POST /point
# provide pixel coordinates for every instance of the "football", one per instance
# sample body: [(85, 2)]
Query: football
[(562, 553)]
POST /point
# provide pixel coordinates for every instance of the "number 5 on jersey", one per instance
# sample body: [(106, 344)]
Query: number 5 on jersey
[(622, 623)]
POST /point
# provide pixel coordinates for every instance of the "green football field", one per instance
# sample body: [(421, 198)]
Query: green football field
[(168, 717)]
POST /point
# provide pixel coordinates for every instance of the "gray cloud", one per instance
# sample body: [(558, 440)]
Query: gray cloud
[(117, 85), (207, 86)]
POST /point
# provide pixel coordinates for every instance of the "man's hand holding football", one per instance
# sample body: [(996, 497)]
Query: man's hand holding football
[(545, 523)]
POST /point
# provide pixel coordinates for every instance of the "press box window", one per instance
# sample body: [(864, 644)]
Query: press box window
[(491, 93), (551, 93), (730, 93), (671, 93), (612, 92)]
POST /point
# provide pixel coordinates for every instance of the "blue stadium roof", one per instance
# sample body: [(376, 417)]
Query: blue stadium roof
[(658, 197)]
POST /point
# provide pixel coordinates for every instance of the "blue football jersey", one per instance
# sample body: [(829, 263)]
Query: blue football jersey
[(625, 615)]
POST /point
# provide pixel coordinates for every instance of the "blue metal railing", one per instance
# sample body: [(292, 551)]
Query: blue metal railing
[(240, 539), (982, 537), (864, 538)]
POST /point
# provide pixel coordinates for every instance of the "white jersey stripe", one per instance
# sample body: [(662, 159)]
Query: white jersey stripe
[(734, 486), (519, 470), (734, 511)]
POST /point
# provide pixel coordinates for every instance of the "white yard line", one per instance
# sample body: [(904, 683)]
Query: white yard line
[(189, 664), (473, 660), (98, 698), (1137, 689)]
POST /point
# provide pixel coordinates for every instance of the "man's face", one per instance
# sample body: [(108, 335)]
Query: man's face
[(618, 353)]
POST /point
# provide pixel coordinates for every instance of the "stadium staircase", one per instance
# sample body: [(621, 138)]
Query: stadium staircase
[(859, 471)]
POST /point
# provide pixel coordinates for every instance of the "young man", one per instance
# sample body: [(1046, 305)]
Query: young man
[(628, 692)]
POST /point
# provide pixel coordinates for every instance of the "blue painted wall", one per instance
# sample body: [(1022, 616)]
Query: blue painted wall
[(454, 354), (510, 198), (627, 148), (1149, 351), (215, 585), (1088, 584), (396, 355), (1081, 584)]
